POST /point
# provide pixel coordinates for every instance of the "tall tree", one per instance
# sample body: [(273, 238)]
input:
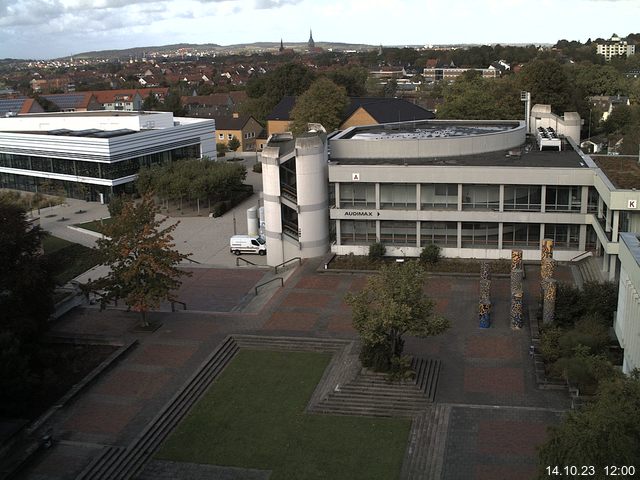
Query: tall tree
[(391, 305), (26, 288), (142, 259), (549, 84), (603, 433), (323, 103)]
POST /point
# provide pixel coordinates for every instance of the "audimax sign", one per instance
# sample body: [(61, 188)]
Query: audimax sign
[(360, 213)]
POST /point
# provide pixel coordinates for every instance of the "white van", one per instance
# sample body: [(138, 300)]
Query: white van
[(247, 244)]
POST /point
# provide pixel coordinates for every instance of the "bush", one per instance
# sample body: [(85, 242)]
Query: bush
[(588, 332), (115, 205), (550, 343), (430, 254), (220, 208), (377, 251), (257, 167), (376, 356), (221, 149), (595, 299)]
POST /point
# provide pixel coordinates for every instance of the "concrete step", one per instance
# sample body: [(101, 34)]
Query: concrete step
[(290, 343)]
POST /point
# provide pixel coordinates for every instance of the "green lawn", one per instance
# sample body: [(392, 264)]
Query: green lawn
[(67, 259), (253, 417), (96, 225)]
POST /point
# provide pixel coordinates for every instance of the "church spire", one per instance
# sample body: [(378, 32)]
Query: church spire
[(281, 46), (311, 43)]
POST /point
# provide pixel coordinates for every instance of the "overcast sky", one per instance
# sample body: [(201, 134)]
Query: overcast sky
[(55, 28)]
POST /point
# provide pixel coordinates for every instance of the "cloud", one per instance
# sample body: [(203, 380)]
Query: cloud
[(269, 4)]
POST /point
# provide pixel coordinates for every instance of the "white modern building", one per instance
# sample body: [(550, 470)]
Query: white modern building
[(627, 319), (476, 188), (92, 155), (615, 47)]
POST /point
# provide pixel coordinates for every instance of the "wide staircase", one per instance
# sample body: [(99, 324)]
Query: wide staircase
[(373, 394), (589, 270), (424, 458)]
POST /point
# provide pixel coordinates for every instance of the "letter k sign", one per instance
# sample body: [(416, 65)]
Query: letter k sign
[(632, 204)]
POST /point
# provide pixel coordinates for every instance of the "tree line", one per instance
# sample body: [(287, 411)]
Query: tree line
[(192, 181)]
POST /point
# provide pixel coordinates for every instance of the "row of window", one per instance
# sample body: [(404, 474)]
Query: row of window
[(81, 168), (474, 197), (230, 135), (445, 234)]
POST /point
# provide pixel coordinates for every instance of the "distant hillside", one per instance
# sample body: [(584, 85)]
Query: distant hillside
[(139, 51)]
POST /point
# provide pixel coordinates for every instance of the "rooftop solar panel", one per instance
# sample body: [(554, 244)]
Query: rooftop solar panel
[(11, 105), (65, 101)]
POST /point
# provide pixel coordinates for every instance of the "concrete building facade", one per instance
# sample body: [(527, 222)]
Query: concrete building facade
[(627, 317), (476, 188)]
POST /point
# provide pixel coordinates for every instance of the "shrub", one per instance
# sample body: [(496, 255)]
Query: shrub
[(376, 356), (377, 251), (257, 167), (221, 148), (588, 332), (550, 343), (430, 254), (220, 208), (115, 205)]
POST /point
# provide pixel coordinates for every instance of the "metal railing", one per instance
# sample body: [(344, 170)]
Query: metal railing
[(287, 262), (266, 283), (245, 261), (193, 261), (583, 254), (173, 305)]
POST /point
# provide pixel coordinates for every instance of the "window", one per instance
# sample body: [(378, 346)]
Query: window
[(563, 236), (398, 196), (520, 235), (522, 197), (443, 234), (439, 196), (563, 199), (592, 202), (358, 195), (357, 232), (398, 233), (483, 235), (230, 136), (221, 136), (480, 197)]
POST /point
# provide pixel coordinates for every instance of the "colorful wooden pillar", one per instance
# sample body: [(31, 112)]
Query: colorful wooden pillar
[(550, 288), (484, 306)]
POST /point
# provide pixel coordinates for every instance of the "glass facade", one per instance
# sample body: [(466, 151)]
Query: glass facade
[(522, 198), (357, 232), (439, 196), (398, 233), (563, 236), (520, 235), (479, 235), (563, 199), (480, 197), (358, 195), (443, 234), (398, 196), (105, 170)]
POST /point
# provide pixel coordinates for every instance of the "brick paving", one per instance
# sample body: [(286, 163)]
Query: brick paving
[(499, 415)]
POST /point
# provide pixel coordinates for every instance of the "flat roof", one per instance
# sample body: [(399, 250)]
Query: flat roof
[(527, 155), (421, 130), (91, 113), (622, 170)]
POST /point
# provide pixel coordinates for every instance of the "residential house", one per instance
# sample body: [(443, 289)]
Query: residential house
[(19, 106), (607, 104), (360, 111), (74, 102), (245, 128)]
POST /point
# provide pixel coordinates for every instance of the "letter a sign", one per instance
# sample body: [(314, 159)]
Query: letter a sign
[(355, 177)]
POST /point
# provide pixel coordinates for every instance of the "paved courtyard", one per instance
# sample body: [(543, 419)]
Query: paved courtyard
[(498, 416)]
